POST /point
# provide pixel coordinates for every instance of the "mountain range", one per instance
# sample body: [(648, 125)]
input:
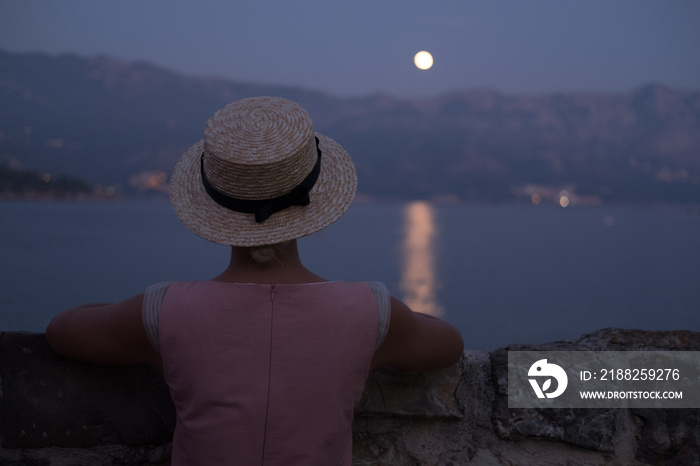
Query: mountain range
[(122, 125)]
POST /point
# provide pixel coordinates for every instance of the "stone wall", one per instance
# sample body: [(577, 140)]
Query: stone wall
[(58, 412)]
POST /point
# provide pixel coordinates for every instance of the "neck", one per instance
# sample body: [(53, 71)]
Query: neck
[(286, 267)]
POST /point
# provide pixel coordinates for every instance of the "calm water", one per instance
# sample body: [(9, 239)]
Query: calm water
[(500, 273)]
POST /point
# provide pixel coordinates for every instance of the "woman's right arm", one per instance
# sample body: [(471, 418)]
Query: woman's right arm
[(418, 342), (111, 334)]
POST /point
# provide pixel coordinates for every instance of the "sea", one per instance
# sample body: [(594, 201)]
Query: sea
[(500, 273)]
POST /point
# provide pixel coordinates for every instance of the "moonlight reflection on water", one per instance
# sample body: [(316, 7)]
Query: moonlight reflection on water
[(419, 281)]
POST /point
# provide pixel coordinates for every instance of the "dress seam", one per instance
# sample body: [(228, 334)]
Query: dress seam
[(269, 373)]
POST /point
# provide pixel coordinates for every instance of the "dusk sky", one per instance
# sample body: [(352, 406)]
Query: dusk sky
[(355, 48)]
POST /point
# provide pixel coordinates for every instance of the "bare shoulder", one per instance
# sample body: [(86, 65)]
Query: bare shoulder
[(417, 341)]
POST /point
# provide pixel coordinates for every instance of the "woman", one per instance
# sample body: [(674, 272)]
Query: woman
[(265, 362)]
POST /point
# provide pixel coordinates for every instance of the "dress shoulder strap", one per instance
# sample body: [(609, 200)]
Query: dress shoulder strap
[(152, 300), (381, 296), (154, 294)]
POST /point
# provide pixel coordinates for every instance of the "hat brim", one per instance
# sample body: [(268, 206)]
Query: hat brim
[(330, 197)]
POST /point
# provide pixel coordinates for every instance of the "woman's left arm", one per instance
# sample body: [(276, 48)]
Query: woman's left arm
[(103, 334)]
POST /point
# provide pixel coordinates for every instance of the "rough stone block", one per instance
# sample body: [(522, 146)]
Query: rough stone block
[(596, 428), (48, 400), (424, 395)]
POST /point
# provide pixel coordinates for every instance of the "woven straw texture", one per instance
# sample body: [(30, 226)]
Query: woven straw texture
[(260, 148)]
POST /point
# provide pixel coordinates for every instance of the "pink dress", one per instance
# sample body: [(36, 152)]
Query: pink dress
[(265, 374)]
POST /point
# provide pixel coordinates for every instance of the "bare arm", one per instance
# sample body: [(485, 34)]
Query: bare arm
[(418, 342), (103, 334)]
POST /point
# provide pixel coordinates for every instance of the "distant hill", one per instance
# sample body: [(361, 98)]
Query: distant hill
[(26, 184), (123, 124)]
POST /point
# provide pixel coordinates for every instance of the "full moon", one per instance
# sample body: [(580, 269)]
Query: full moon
[(423, 60)]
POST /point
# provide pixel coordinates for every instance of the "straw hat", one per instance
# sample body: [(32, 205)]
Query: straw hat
[(261, 175)]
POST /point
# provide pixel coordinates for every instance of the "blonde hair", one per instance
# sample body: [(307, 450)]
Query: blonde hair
[(267, 253)]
